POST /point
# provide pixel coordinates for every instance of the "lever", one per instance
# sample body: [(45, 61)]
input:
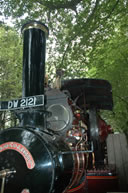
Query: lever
[(3, 175)]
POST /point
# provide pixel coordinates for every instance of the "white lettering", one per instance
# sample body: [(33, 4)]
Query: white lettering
[(5, 146), (34, 100), (15, 103), (23, 103), (22, 150), (30, 101), (10, 104), (1, 148)]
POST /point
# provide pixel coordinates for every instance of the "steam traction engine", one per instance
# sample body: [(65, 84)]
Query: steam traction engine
[(60, 143)]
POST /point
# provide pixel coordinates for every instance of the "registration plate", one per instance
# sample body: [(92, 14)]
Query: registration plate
[(26, 102)]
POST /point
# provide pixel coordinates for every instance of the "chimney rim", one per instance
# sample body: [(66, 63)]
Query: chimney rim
[(33, 24)]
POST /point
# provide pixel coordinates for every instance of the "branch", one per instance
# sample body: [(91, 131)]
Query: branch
[(73, 37), (123, 100), (65, 5), (112, 10)]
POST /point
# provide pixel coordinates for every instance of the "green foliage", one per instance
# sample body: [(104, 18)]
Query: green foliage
[(10, 63), (88, 38), (75, 27), (110, 61), (10, 67)]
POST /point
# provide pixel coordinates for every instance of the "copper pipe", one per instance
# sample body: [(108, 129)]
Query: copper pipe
[(82, 167), (76, 170), (93, 160)]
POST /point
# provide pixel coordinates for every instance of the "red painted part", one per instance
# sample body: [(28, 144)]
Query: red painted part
[(79, 189), (104, 129), (102, 184), (11, 145), (97, 184)]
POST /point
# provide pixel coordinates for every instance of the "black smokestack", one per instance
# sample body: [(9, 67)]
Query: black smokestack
[(35, 34), (34, 47)]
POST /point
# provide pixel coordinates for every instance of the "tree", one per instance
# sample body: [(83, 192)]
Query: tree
[(10, 67), (86, 40), (110, 61), (75, 27)]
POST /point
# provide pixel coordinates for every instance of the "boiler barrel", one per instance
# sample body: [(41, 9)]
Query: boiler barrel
[(40, 167)]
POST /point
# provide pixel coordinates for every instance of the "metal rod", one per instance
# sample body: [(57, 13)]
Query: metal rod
[(74, 152), (2, 186), (83, 151), (3, 174)]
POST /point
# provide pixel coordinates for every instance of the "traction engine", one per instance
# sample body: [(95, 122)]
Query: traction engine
[(59, 145)]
